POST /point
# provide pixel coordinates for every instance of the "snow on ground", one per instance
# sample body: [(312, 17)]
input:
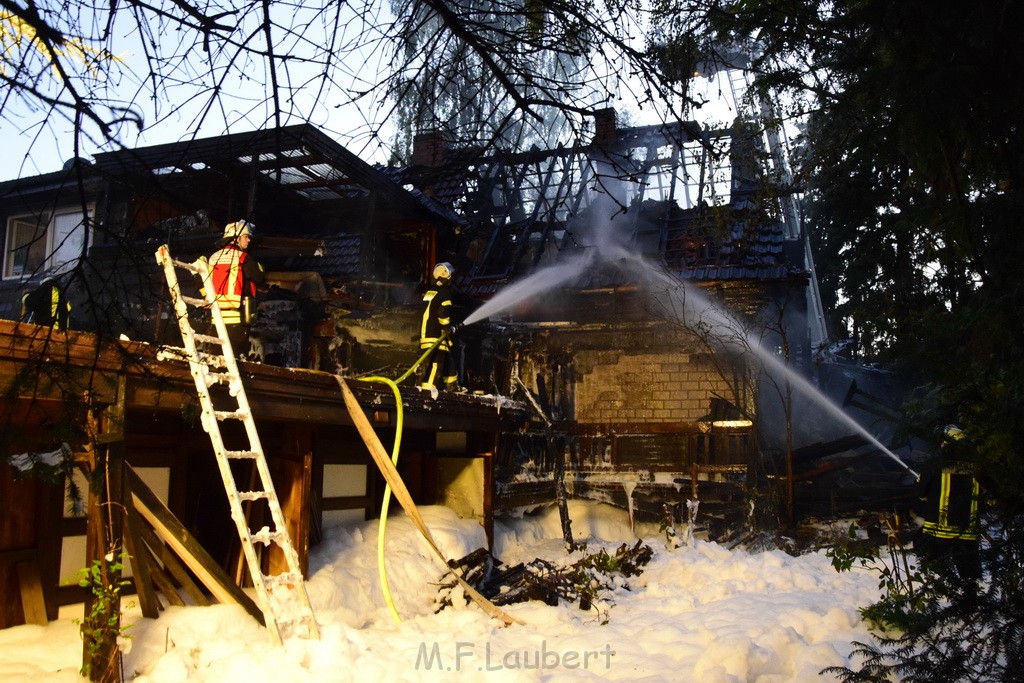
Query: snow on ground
[(698, 613)]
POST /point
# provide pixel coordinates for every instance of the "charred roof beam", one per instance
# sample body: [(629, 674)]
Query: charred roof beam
[(271, 150)]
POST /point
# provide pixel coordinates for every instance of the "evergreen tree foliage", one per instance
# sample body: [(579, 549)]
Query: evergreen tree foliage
[(948, 629), (913, 169)]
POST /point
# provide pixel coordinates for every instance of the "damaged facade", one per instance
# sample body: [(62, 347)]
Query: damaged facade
[(647, 405), (600, 370)]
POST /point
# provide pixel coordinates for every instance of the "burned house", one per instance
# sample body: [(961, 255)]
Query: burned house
[(583, 273), (608, 269)]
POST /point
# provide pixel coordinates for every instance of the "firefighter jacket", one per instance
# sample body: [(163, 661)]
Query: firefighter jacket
[(951, 497), (234, 274), (46, 305), (437, 315)]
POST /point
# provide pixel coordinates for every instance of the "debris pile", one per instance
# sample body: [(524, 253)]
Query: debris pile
[(587, 581)]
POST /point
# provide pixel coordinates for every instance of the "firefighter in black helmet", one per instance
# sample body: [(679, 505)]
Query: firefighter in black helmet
[(436, 320), (952, 500), (47, 305)]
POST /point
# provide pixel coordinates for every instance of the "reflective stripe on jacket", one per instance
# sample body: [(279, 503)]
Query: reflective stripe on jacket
[(226, 274), (46, 305), (436, 316), (952, 504)]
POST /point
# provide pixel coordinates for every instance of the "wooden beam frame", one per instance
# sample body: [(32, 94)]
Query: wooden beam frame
[(181, 542)]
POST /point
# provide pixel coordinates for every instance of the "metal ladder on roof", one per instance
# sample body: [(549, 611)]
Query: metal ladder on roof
[(282, 597)]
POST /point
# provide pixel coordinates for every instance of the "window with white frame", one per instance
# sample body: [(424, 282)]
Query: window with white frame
[(44, 243)]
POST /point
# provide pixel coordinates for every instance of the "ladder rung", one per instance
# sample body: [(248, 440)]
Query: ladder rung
[(253, 495), (295, 618), (178, 353), (172, 353), (241, 455), (283, 579), (209, 339), (185, 266), (266, 536), (213, 360), (231, 414), (216, 378), (300, 625)]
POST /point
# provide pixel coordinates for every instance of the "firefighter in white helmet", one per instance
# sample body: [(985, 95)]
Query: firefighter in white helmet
[(436, 321), (236, 275)]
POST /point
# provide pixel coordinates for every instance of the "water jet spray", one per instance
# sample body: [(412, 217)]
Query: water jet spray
[(686, 303)]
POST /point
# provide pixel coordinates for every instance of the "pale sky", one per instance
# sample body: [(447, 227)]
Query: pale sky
[(34, 147), (37, 141)]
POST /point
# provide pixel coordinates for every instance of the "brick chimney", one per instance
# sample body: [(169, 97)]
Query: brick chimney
[(428, 149), (605, 126)]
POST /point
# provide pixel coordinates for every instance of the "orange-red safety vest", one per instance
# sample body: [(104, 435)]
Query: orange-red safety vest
[(226, 274)]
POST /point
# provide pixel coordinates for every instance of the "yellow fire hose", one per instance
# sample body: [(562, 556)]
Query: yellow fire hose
[(385, 504), (394, 483), (382, 525), (398, 488)]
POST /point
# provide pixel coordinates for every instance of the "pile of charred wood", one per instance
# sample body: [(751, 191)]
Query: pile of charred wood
[(583, 581)]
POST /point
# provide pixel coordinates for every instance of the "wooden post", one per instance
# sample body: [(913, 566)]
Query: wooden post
[(557, 451), (305, 525), (694, 471), (489, 460), (105, 515), (299, 514), (49, 542)]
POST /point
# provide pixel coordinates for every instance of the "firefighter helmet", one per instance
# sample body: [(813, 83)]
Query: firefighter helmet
[(443, 271), (233, 231)]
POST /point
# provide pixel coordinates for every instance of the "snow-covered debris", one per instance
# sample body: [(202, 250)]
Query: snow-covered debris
[(696, 613)]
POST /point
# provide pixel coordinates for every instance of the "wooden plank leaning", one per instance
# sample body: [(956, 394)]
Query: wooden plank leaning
[(178, 539), (398, 488)]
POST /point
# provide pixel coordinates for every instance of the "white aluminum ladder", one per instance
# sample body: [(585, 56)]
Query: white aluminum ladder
[(282, 597)]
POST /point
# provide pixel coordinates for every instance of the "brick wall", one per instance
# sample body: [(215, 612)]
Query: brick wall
[(645, 387), (428, 149), (605, 126)]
